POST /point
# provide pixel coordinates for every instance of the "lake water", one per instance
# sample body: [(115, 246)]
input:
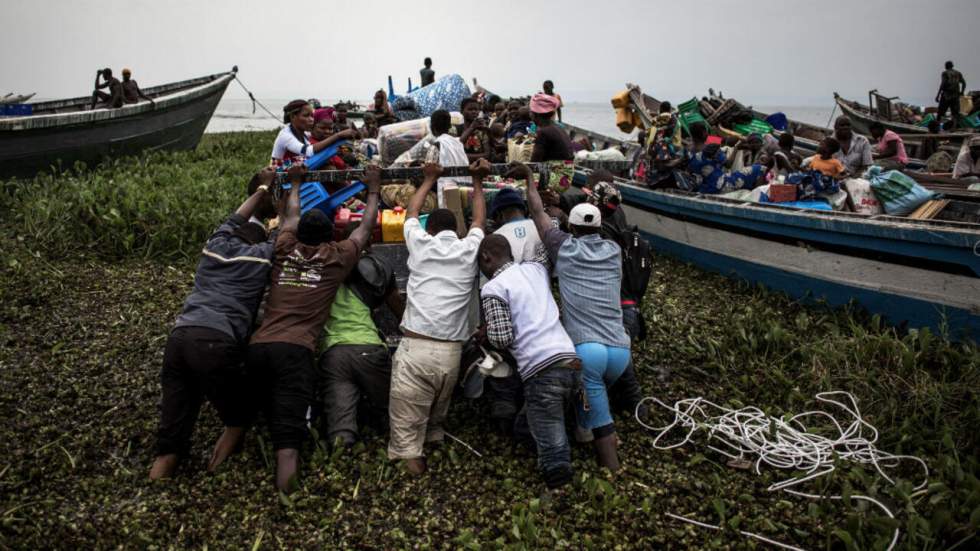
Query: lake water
[(235, 115)]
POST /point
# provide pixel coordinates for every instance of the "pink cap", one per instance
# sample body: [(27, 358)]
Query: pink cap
[(543, 103)]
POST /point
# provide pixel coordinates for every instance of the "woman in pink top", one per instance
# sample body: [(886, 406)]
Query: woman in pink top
[(890, 152)]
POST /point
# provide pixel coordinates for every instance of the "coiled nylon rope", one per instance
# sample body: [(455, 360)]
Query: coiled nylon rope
[(749, 433)]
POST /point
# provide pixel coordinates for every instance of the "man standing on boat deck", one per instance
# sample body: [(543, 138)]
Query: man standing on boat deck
[(308, 270), (205, 350), (951, 87), (441, 288), (114, 98), (427, 74), (549, 88)]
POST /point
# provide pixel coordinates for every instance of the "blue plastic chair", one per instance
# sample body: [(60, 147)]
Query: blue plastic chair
[(312, 195), (317, 160)]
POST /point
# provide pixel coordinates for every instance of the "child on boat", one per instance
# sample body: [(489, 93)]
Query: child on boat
[(824, 161)]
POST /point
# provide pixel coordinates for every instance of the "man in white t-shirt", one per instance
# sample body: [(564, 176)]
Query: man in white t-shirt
[(509, 213), (436, 323)]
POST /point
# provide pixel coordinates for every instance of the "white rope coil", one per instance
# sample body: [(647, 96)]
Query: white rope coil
[(783, 443)]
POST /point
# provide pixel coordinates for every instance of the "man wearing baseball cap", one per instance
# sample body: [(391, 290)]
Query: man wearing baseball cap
[(589, 270)]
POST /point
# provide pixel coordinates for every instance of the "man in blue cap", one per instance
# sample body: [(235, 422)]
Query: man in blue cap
[(509, 213)]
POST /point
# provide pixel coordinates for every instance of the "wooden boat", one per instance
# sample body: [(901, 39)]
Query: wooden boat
[(11, 99), (863, 115), (808, 136), (60, 133), (913, 273)]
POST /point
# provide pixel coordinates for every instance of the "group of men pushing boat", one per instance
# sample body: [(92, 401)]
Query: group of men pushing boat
[(275, 285)]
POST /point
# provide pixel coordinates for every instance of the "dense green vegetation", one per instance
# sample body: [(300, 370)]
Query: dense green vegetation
[(95, 266)]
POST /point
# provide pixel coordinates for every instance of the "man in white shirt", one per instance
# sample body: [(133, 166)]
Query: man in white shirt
[(436, 323), (968, 161)]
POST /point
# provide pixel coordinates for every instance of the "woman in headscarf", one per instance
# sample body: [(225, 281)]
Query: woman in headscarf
[(382, 111), (323, 131), (293, 142), (551, 142)]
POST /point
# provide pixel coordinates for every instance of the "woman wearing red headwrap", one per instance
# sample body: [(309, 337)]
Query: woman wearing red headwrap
[(323, 122), (551, 143)]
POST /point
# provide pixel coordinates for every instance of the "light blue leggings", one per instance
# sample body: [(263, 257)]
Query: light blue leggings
[(601, 366)]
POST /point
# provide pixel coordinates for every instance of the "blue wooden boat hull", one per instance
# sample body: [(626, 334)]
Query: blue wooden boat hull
[(912, 273)]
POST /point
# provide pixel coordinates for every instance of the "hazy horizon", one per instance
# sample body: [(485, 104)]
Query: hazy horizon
[(788, 52)]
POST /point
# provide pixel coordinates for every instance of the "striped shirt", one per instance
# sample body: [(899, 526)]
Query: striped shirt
[(229, 282), (590, 272)]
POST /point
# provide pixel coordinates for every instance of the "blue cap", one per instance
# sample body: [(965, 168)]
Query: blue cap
[(507, 197)]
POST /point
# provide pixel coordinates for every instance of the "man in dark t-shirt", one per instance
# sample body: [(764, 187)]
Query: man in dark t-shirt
[(427, 74), (551, 143), (308, 270), (131, 90), (114, 98), (204, 352), (951, 87)]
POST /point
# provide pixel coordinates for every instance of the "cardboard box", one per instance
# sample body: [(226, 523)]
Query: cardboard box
[(781, 193)]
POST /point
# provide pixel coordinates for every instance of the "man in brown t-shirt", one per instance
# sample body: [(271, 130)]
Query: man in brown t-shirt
[(309, 268)]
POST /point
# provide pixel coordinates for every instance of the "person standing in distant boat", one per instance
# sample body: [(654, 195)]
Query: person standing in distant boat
[(293, 142), (131, 90), (951, 87), (549, 89), (427, 74), (112, 99)]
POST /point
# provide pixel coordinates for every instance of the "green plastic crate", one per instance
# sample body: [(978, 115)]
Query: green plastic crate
[(973, 121), (755, 127)]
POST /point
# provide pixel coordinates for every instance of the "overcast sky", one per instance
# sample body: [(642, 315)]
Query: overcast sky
[(784, 52)]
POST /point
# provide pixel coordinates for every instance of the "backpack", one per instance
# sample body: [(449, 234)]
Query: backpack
[(637, 264)]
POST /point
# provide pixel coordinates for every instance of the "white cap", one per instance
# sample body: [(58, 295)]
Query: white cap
[(585, 214)]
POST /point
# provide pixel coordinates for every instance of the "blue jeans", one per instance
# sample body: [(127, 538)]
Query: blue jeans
[(601, 366), (547, 395)]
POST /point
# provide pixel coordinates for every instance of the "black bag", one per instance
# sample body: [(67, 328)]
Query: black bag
[(637, 264)]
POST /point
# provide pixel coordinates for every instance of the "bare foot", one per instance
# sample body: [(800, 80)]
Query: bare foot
[(287, 464), (227, 444), (415, 465), (164, 466)]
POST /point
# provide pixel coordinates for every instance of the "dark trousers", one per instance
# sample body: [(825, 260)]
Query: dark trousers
[(348, 371), (200, 363), (626, 393), (287, 377), (548, 395), (506, 394), (951, 103)]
